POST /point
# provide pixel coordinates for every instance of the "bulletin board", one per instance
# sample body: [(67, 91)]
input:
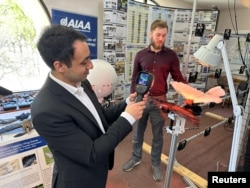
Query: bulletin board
[(126, 25), (25, 159), (139, 18)]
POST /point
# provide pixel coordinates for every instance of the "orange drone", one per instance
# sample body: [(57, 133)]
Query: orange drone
[(193, 97)]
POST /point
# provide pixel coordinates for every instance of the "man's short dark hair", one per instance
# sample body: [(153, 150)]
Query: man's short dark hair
[(56, 44)]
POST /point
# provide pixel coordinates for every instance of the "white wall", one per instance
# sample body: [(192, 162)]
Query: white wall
[(242, 17)]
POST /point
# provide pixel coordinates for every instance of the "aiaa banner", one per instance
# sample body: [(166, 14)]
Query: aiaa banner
[(86, 25)]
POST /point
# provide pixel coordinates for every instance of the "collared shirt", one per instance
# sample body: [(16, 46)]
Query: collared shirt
[(79, 93), (160, 64)]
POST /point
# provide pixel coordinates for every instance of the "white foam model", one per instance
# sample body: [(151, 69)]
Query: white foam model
[(103, 78)]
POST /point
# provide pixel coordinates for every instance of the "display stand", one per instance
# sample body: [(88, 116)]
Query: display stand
[(179, 128)]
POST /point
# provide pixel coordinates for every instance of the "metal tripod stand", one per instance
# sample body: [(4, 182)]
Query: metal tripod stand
[(179, 128)]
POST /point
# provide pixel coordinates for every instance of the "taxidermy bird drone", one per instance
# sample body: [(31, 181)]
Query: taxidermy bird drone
[(214, 94), (193, 97)]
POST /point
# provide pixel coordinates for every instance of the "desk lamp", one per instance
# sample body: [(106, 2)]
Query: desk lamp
[(210, 55)]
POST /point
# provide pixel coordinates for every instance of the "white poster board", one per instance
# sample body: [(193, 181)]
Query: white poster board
[(25, 159)]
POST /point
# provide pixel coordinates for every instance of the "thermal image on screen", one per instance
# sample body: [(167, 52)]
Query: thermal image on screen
[(143, 79)]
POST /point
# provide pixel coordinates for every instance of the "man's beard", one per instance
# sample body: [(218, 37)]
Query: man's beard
[(155, 46)]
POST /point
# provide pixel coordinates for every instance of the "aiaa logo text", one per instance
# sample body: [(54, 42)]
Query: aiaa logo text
[(77, 24)]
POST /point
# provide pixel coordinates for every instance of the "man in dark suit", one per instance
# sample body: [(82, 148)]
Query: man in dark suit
[(80, 133)]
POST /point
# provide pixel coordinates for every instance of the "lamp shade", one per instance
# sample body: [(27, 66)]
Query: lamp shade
[(209, 55)]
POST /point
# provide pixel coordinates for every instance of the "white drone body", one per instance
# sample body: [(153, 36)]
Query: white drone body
[(103, 78)]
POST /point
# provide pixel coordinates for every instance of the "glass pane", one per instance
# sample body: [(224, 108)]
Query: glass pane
[(21, 67)]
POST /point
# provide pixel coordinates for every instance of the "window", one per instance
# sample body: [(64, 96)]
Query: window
[(21, 67)]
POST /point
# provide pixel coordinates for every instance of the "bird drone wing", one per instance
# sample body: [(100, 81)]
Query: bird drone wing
[(188, 92)]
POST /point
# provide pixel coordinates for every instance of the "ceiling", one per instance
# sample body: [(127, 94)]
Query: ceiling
[(220, 4)]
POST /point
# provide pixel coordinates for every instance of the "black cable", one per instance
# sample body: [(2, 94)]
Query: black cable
[(235, 19), (230, 15), (246, 51), (45, 9), (155, 3), (239, 46), (247, 156), (236, 30), (237, 33)]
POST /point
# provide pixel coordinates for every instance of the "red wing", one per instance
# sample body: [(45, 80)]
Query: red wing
[(185, 113)]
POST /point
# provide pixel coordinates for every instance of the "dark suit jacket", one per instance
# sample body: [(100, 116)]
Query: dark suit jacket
[(82, 153)]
